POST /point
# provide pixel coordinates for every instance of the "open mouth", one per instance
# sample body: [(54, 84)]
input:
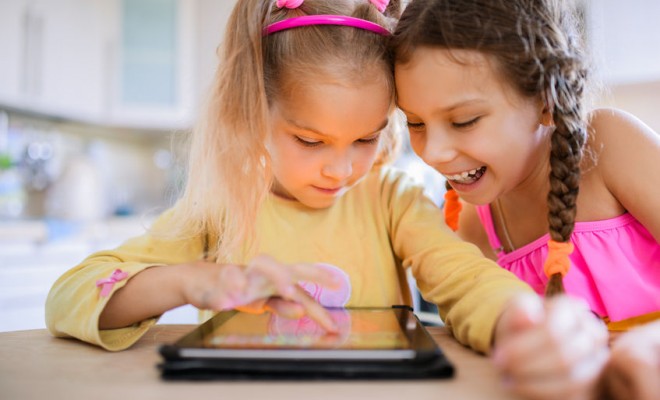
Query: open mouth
[(467, 177)]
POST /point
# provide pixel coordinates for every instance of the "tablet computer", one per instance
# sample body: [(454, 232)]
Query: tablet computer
[(370, 343)]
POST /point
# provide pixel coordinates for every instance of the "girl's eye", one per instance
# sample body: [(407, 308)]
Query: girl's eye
[(415, 126), (370, 140), (466, 124), (307, 142)]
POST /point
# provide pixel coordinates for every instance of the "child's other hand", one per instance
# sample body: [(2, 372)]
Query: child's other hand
[(633, 371), (263, 283), (550, 350)]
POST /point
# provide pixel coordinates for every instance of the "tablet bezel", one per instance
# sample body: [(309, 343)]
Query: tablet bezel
[(422, 346)]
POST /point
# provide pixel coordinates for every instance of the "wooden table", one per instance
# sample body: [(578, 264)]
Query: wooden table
[(34, 365)]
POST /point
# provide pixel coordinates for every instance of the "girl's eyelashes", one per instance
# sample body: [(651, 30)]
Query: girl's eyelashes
[(419, 126), (370, 140), (415, 126), (466, 124), (314, 143), (307, 142)]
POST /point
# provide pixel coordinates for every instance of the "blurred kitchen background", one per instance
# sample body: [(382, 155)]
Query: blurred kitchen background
[(96, 97)]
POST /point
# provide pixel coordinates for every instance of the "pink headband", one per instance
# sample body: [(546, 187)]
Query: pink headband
[(307, 20), (381, 5), (342, 20)]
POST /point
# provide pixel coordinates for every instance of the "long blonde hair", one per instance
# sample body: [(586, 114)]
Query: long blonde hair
[(229, 172)]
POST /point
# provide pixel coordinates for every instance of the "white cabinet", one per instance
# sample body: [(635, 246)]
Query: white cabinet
[(127, 63), (154, 84), (55, 56), (12, 39)]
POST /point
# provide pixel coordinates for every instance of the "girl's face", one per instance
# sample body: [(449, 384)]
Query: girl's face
[(473, 129), (325, 139)]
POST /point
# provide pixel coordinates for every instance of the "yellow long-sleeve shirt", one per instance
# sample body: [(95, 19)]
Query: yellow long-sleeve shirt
[(380, 227)]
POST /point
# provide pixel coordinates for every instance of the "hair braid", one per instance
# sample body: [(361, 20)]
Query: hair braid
[(566, 87)]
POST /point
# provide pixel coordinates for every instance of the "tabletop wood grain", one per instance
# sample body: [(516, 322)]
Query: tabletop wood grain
[(35, 365)]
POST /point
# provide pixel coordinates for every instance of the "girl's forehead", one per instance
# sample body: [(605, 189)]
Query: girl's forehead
[(332, 108), (447, 58), (456, 70), (449, 77), (348, 74)]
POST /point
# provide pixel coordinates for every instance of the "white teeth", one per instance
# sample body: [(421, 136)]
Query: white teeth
[(465, 176)]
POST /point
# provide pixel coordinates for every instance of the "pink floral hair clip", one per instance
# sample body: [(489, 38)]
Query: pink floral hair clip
[(381, 5), (289, 3)]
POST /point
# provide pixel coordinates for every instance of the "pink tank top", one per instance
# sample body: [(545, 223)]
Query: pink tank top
[(615, 266)]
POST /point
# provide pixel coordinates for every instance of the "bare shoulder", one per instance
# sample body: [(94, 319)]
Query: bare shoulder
[(612, 130), (471, 230), (625, 149), (617, 139)]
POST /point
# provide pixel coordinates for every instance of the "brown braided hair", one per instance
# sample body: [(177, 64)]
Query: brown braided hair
[(536, 46)]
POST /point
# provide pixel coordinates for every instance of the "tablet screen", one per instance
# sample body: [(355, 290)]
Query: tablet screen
[(370, 343), (362, 329), (363, 334)]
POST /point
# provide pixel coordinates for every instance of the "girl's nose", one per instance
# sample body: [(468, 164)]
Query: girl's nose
[(339, 167), (436, 148)]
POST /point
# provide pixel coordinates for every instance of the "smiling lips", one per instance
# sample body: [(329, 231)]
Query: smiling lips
[(467, 177)]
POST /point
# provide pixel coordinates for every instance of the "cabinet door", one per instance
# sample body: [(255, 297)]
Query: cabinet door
[(127, 63), (55, 56), (155, 62), (13, 28), (74, 47)]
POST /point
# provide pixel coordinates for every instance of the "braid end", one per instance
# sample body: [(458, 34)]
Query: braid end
[(555, 286)]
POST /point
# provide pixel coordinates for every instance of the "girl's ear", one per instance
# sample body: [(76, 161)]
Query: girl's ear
[(546, 116)]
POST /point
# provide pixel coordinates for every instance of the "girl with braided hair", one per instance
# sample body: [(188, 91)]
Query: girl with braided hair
[(494, 95)]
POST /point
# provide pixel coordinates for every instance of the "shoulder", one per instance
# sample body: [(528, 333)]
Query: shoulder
[(618, 141), (612, 131)]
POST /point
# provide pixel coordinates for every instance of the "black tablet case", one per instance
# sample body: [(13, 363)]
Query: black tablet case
[(176, 368)]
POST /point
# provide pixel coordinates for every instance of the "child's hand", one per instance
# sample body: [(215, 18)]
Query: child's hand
[(263, 283), (633, 371), (551, 350)]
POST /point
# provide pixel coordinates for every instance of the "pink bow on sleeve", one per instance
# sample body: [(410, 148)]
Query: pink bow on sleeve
[(108, 283)]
